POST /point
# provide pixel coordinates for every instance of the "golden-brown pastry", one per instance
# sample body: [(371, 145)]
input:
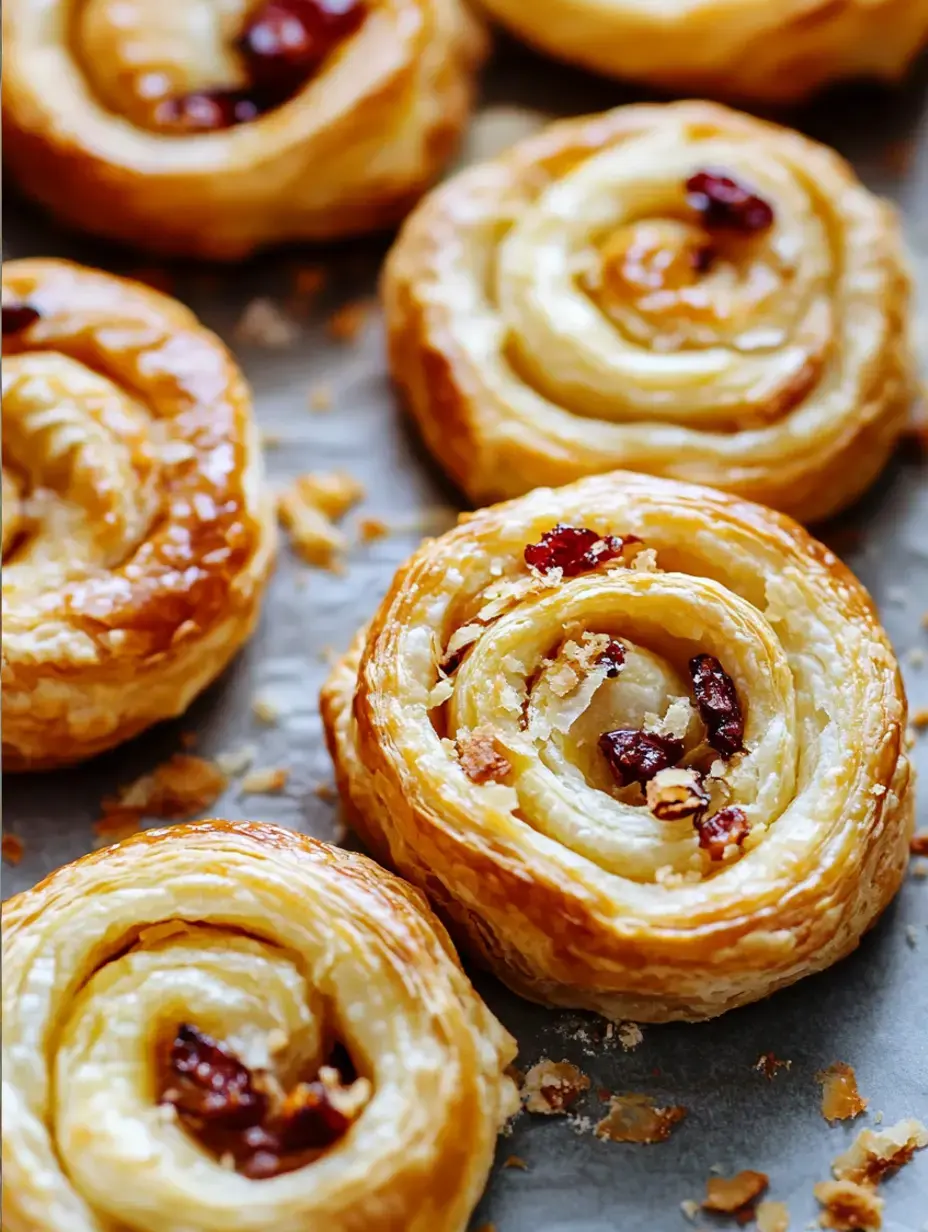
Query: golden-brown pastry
[(641, 742), (677, 289), (137, 537), (212, 127), (229, 1027), (768, 50)]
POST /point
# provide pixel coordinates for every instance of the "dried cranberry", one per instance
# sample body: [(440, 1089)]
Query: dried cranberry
[(214, 1085), (17, 317), (309, 1119), (207, 110), (613, 659), (287, 40), (729, 825), (636, 756), (718, 704), (574, 549), (725, 204)]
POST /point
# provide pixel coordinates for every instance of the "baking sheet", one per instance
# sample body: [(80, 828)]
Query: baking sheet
[(871, 1010)]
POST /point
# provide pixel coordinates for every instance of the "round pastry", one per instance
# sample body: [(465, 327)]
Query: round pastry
[(768, 50), (233, 1028), (212, 127), (641, 742), (677, 289), (137, 537)]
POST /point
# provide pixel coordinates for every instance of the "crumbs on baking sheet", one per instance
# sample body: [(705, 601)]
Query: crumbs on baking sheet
[(372, 529), (264, 782), (320, 397), (515, 1161), (848, 1206), (308, 509), (550, 1087), (919, 719), (263, 324), (13, 848), (733, 1194), (772, 1217), (265, 710), (326, 792), (850, 1201), (179, 787), (346, 323), (769, 1064), (841, 1100), (636, 1118), (918, 844)]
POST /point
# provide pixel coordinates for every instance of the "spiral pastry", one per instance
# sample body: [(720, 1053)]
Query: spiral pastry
[(767, 50), (229, 1027), (677, 289), (641, 742), (212, 127), (136, 535)]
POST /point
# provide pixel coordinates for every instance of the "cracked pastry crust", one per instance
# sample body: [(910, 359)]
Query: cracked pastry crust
[(774, 51), (274, 943), (137, 534), (466, 727), (566, 309), (89, 129)]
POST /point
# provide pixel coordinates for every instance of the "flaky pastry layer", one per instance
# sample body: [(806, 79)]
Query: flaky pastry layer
[(137, 534), (767, 50), (273, 943), (465, 726), (565, 309), (349, 152)]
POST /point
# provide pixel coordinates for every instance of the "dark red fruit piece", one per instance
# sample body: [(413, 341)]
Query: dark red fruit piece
[(703, 258), (574, 549), (729, 825), (727, 205), (613, 659), (636, 756), (17, 317), (717, 701), (309, 1120), (287, 40), (207, 110), (213, 1084)]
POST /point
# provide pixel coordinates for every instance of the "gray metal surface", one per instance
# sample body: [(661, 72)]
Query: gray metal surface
[(871, 1010)]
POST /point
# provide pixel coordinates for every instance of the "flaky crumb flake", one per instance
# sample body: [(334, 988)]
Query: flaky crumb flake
[(772, 1217), (636, 1118), (730, 1194), (874, 1153), (263, 324), (264, 782), (849, 1206), (841, 1100), (178, 788), (13, 848), (308, 509), (347, 322), (550, 1087)]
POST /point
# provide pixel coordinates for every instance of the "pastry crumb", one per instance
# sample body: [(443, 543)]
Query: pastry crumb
[(263, 324), (233, 762), (874, 1153), (479, 755), (769, 1064), (772, 1217), (690, 1209), (911, 935), (919, 868), (918, 844), (630, 1035), (180, 787), (916, 657), (920, 718), (636, 1118), (326, 792), (849, 1206), (550, 1087), (308, 509), (264, 782), (264, 710), (728, 1195), (515, 1161), (841, 1100), (372, 529), (13, 849), (347, 322), (320, 398)]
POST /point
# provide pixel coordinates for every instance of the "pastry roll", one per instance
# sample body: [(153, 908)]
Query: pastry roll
[(773, 51), (641, 742), (677, 289), (209, 128), (137, 537), (229, 1027)]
